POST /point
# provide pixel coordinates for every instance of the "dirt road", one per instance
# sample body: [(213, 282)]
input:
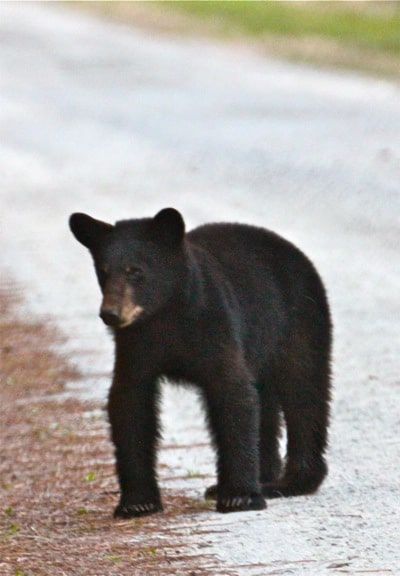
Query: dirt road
[(120, 123)]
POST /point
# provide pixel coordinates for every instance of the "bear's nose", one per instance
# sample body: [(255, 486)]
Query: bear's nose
[(110, 316)]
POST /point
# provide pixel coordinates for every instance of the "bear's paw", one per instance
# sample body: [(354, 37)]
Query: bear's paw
[(241, 503), (137, 510)]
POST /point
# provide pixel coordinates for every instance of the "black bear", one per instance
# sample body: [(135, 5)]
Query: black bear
[(240, 313)]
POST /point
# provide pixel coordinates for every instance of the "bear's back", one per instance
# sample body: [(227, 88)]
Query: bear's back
[(247, 253), (276, 286)]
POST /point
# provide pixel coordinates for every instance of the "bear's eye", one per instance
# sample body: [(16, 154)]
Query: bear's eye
[(134, 273)]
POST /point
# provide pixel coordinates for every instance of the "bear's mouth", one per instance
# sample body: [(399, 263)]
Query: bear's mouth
[(128, 319)]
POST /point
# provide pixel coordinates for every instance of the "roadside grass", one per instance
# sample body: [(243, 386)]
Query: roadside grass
[(368, 25), (354, 35)]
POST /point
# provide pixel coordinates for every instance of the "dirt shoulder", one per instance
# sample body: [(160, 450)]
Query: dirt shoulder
[(57, 482)]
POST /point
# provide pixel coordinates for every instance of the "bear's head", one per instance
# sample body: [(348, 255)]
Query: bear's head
[(140, 264)]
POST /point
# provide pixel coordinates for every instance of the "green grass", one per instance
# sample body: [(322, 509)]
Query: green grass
[(374, 25), (354, 35)]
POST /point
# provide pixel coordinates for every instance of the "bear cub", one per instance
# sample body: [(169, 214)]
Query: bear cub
[(240, 313)]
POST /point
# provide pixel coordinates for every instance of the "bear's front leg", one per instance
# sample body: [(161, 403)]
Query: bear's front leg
[(233, 413), (133, 414)]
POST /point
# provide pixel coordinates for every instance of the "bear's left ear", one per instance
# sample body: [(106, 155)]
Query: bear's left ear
[(168, 227), (87, 230)]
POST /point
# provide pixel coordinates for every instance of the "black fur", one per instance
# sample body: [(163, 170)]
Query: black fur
[(240, 313)]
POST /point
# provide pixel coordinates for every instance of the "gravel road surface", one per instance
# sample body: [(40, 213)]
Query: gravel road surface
[(120, 122)]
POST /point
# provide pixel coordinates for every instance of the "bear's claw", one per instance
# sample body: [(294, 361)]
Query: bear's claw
[(137, 510), (241, 503)]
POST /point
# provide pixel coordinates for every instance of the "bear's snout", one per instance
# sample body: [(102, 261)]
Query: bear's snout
[(110, 316), (119, 311)]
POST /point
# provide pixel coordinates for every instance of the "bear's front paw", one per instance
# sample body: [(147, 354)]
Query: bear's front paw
[(124, 510), (241, 503)]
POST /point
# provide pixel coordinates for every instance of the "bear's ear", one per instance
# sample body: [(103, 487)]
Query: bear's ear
[(168, 227), (87, 230)]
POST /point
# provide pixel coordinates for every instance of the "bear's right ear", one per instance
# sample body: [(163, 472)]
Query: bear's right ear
[(168, 227), (87, 230)]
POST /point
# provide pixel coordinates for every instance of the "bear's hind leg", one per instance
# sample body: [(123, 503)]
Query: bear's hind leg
[(270, 428), (306, 411)]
